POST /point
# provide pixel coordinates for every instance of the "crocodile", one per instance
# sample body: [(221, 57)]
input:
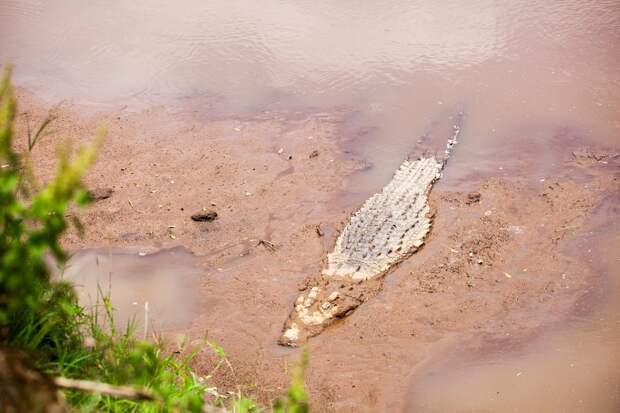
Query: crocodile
[(388, 228)]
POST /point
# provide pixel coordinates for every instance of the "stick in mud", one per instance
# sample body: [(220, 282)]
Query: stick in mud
[(126, 392), (387, 229)]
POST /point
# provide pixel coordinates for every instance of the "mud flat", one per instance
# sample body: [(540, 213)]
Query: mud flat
[(496, 264), (571, 365)]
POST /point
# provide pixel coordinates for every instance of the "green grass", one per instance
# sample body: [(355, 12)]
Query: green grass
[(42, 316)]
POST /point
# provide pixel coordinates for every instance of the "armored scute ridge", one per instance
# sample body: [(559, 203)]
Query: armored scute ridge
[(390, 226)]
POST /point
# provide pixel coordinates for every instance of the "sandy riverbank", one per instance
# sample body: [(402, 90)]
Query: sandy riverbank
[(494, 264)]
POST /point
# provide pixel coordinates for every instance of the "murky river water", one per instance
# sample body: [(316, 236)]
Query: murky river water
[(159, 289), (522, 72), (394, 66)]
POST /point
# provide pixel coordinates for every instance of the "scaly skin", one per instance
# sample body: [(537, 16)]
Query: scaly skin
[(388, 228)]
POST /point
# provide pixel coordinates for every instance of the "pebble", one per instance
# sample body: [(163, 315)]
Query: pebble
[(204, 216)]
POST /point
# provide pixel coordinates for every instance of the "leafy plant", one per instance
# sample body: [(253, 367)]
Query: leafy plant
[(42, 315), (30, 228)]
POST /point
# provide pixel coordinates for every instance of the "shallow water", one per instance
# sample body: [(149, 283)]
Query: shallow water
[(571, 367), (161, 288), (521, 70)]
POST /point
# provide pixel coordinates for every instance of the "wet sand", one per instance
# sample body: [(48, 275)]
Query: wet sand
[(572, 365), (285, 119), (494, 268)]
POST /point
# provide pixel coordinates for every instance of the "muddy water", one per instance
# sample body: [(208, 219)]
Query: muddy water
[(570, 367), (517, 68), (159, 288)]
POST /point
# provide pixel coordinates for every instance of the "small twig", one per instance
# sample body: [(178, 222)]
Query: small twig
[(319, 231), (134, 207), (126, 392), (146, 320), (269, 245)]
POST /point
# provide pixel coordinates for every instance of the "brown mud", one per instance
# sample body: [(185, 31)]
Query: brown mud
[(493, 264), (571, 365)]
